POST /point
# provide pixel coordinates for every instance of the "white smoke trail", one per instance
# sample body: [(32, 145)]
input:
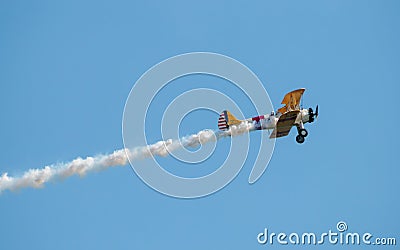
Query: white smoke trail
[(35, 178)]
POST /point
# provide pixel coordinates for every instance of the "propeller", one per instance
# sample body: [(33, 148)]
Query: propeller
[(312, 114)]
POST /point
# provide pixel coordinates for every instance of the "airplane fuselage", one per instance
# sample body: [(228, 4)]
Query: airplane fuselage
[(269, 121)]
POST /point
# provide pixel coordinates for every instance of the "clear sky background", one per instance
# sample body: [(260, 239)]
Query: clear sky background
[(66, 69)]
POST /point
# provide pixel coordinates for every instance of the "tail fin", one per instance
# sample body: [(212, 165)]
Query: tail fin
[(222, 121), (226, 119), (231, 119)]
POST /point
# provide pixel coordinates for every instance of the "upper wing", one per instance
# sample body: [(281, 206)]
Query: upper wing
[(284, 124), (292, 101)]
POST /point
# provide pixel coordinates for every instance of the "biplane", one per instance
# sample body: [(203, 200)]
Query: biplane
[(281, 121)]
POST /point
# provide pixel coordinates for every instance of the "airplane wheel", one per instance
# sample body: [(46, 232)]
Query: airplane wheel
[(299, 139), (303, 132)]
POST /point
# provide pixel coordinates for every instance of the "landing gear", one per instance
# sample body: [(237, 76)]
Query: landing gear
[(300, 139), (303, 132)]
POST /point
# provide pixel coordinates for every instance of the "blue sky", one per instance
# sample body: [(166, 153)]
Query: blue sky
[(66, 69)]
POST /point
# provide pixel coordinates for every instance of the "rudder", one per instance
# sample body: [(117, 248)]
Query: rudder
[(222, 121), (226, 119)]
